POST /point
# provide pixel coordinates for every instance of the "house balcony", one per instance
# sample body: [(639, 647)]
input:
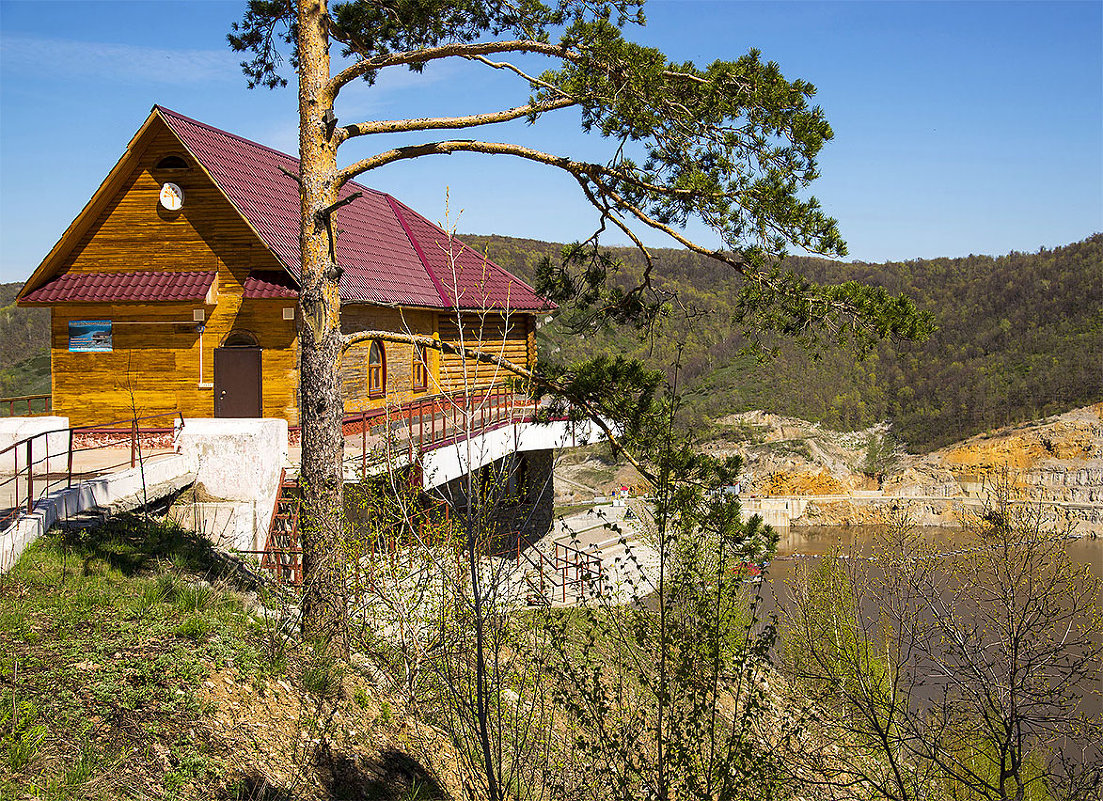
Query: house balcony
[(448, 434)]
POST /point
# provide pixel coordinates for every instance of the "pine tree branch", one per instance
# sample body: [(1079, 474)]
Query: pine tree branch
[(506, 65), (436, 123), (427, 54), (447, 147)]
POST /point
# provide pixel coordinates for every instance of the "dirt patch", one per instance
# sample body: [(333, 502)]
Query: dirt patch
[(286, 741), (802, 483), (197, 493), (1072, 439)]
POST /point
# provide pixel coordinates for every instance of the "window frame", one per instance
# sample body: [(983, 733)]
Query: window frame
[(379, 369), (420, 368)]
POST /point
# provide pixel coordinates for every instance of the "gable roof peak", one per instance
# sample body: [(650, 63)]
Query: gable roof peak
[(390, 254)]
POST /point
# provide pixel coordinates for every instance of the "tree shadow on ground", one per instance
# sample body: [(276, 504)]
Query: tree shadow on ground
[(390, 775), (133, 544), (255, 787)]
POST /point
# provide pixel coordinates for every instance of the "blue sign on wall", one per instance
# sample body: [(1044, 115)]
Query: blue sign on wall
[(89, 335)]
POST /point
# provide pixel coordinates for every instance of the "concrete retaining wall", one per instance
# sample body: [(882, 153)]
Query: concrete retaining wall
[(525, 509), (842, 510), (238, 460), (229, 525), (55, 446)]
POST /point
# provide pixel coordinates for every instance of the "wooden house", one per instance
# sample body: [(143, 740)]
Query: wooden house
[(176, 288)]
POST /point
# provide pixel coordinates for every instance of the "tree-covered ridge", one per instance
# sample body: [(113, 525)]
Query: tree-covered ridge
[(24, 346), (1018, 338)]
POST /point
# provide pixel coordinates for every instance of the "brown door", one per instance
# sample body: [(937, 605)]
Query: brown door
[(237, 382)]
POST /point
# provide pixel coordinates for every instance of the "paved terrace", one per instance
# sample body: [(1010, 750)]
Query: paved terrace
[(61, 458)]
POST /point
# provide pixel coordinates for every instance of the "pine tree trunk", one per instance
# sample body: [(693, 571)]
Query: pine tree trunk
[(321, 406)]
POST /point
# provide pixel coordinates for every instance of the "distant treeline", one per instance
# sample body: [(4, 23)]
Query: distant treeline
[(24, 346), (1018, 338)]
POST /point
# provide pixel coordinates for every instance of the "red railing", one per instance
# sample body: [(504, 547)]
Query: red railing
[(438, 420), (569, 570), (26, 404), (39, 466)]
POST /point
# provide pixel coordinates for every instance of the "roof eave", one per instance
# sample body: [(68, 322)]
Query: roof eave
[(83, 221)]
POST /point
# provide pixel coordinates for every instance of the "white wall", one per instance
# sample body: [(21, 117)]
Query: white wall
[(55, 446), (239, 459)]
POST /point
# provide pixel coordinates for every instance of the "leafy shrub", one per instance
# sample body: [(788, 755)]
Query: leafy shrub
[(194, 628)]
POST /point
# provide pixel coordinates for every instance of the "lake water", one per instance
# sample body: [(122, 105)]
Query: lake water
[(802, 544), (812, 541)]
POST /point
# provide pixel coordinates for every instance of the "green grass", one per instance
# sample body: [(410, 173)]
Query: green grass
[(105, 638), (571, 509)]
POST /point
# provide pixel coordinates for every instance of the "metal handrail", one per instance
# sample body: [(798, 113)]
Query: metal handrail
[(555, 571), (494, 406), (26, 506), (47, 401)]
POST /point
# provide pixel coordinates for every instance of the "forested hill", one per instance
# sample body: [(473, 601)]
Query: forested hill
[(1019, 338), (24, 346)]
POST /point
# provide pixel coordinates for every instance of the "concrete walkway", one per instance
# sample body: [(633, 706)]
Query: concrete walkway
[(110, 492), (87, 464)]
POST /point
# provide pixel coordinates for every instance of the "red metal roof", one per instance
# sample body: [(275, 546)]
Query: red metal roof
[(269, 284), (123, 287), (390, 254)]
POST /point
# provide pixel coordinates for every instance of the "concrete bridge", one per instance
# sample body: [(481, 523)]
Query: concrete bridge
[(50, 472)]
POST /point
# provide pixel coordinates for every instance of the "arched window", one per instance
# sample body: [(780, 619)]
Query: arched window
[(240, 339), (377, 369), (421, 369)]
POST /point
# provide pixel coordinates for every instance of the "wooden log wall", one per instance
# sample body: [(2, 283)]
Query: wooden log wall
[(160, 363), (506, 336), (399, 381)]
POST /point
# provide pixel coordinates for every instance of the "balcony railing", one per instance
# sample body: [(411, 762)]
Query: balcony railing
[(26, 406), (433, 421)]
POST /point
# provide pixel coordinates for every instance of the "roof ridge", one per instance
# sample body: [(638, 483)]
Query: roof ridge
[(231, 135), (437, 285), (404, 240)]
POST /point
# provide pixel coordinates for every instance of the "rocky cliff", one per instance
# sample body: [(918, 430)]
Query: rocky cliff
[(858, 477)]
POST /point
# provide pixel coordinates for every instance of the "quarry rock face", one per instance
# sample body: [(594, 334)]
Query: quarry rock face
[(800, 473), (860, 477)]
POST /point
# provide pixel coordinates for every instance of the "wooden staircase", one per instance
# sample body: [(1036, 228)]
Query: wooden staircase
[(283, 553)]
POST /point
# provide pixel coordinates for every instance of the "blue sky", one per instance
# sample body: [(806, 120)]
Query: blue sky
[(960, 127)]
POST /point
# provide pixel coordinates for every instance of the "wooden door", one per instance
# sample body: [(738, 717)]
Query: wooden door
[(237, 380)]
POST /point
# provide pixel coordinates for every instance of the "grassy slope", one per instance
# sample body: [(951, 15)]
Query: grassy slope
[(123, 673)]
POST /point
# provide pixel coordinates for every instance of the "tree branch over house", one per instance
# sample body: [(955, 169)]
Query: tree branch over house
[(732, 144)]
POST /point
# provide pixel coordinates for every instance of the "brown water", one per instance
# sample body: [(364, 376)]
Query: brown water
[(813, 541), (802, 544)]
